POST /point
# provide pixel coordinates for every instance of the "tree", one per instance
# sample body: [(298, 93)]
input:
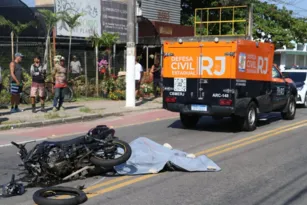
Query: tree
[(50, 19), (279, 22), (108, 40), (16, 28), (72, 21), (96, 42)]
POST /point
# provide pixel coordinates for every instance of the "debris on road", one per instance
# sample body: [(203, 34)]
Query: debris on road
[(149, 157), (12, 188)]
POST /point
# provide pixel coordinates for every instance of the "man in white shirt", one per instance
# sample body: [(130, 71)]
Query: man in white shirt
[(138, 76), (75, 66)]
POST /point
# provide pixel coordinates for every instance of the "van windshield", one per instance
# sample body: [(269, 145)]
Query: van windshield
[(295, 76)]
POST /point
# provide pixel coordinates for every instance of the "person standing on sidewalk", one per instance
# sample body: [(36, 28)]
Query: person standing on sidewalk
[(59, 75), (38, 83), (157, 79), (16, 79), (138, 76), (75, 67)]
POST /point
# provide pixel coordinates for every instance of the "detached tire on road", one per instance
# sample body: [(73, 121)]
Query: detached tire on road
[(110, 163), (40, 197), (189, 121), (289, 114), (249, 121)]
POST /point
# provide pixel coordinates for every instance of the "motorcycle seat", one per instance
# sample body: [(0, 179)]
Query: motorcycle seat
[(99, 132), (76, 141)]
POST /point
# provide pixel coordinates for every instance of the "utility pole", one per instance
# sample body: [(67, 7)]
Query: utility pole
[(130, 60), (250, 21)]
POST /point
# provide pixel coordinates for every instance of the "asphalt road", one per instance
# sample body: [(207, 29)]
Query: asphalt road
[(267, 166)]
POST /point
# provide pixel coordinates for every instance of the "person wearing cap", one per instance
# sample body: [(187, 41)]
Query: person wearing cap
[(38, 74), (75, 67), (59, 75), (16, 79)]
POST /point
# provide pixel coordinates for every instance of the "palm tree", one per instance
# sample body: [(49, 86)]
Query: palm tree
[(72, 21), (16, 29), (96, 42), (50, 19), (108, 40)]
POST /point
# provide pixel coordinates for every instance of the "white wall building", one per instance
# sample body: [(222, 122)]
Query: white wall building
[(288, 57)]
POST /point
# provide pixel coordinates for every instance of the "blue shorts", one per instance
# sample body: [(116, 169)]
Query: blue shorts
[(15, 89)]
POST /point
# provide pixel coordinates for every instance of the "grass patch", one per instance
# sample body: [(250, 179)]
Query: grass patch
[(51, 116), (11, 122), (85, 110)]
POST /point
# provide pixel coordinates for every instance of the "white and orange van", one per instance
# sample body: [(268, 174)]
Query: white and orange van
[(234, 78)]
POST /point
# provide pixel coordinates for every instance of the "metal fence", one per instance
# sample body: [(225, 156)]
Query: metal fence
[(85, 54)]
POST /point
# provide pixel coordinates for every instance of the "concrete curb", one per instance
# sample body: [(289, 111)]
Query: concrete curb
[(70, 119)]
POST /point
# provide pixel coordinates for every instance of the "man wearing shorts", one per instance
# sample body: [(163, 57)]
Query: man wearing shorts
[(138, 76), (38, 83), (16, 79)]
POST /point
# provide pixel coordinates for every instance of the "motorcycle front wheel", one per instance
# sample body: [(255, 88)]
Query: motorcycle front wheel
[(43, 196), (110, 163)]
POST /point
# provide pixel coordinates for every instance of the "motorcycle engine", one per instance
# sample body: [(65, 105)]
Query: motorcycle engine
[(57, 162)]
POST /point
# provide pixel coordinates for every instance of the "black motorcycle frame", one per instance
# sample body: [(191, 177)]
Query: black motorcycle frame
[(73, 154)]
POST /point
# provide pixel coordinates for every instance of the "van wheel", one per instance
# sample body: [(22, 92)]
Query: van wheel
[(305, 102), (189, 121), (249, 121), (290, 111)]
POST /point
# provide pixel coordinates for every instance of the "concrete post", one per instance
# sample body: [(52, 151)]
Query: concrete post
[(130, 60)]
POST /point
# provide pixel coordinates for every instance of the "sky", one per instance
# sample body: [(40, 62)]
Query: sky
[(298, 6)]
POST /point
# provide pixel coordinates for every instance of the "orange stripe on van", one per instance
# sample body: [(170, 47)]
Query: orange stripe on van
[(241, 59)]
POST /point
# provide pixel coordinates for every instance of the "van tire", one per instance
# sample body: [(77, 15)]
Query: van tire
[(289, 114), (249, 121), (189, 121), (305, 101)]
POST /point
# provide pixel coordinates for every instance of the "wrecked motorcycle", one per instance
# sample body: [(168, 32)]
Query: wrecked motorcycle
[(50, 163)]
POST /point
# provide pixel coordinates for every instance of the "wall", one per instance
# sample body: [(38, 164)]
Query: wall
[(165, 30), (43, 3), (162, 10)]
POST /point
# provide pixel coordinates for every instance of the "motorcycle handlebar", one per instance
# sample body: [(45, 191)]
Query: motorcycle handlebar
[(15, 144), (20, 146)]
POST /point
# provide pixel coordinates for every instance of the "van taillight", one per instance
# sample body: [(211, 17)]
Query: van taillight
[(226, 102), (170, 99)]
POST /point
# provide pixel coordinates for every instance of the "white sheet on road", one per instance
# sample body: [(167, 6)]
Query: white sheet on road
[(150, 157)]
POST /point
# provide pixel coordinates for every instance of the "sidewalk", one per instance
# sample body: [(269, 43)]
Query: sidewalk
[(74, 111)]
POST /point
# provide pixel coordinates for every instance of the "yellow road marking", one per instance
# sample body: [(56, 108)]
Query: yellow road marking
[(239, 143), (118, 186), (118, 179), (255, 140), (249, 138)]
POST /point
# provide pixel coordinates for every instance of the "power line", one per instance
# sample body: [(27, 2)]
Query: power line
[(288, 4)]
